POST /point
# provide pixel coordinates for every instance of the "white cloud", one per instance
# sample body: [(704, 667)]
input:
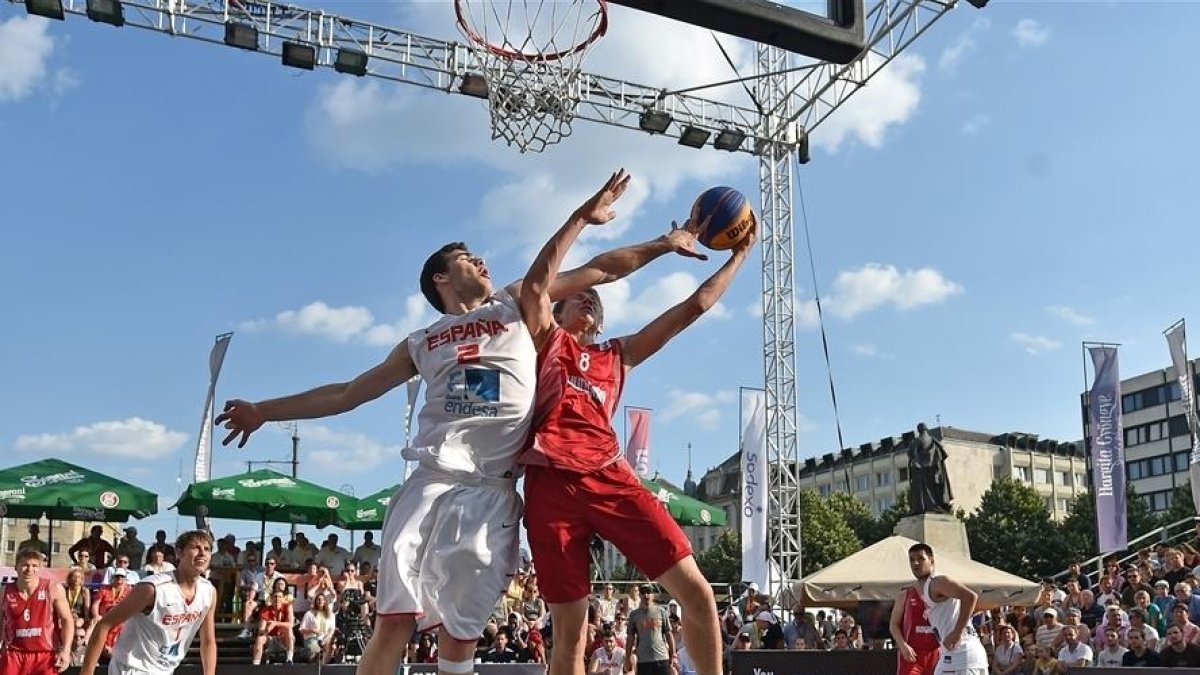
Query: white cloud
[(955, 52), (870, 351), (352, 322), (975, 124), (621, 308), (1035, 344), (25, 49), (888, 99), (755, 309), (65, 79), (704, 408), (1070, 315), (345, 451), (874, 285), (1030, 33), (133, 438)]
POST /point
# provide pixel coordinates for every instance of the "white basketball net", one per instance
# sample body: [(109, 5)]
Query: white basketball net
[(530, 53)]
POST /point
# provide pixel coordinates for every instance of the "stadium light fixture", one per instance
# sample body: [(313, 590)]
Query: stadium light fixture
[(474, 85), (299, 55), (655, 121), (350, 62), (978, 4), (729, 139), (111, 12), (694, 137), (51, 9), (241, 35)]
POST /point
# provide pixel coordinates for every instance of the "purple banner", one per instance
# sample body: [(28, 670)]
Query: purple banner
[(1177, 343), (1108, 451)]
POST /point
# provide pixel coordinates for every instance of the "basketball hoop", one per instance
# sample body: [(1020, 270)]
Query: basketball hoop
[(530, 53)]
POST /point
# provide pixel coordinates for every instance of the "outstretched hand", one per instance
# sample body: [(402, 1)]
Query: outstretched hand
[(683, 239), (240, 417), (598, 209)]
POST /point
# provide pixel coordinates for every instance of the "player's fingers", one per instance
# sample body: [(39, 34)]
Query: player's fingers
[(220, 418), (245, 437), (229, 438)]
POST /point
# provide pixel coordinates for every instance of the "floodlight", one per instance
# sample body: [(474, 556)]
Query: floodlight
[(655, 121), (241, 35), (694, 137), (474, 85), (299, 55), (111, 12), (802, 155), (978, 4), (350, 62), (729, 139), (51, 9)]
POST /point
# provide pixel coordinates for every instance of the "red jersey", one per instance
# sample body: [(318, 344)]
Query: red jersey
[(577, 393), (917, 632), (29, 622)]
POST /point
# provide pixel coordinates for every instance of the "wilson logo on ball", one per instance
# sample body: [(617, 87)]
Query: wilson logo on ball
[(729, 217)]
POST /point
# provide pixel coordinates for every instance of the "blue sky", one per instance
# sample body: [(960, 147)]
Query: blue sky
[(1014, 184)]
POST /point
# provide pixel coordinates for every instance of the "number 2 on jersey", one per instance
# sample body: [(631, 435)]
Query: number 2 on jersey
[(468, 353)]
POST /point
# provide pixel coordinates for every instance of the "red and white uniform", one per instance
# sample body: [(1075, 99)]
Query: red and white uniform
[(576, 483), (155, 643), (29, 644), (919, 635)]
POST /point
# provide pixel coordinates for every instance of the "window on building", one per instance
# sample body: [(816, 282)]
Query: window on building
[(1080, 480), (1063, 504), (883, 478), (902, 474), (1181, 461), (1134, 470), (824, 490), (862, 483), (10, 546), (882, 504), (1049, 503), (1062, 477), (1041, 475), (56, 548), (1021, 473)]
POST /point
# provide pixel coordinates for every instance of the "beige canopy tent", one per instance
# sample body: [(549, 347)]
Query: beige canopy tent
[(880, 572)]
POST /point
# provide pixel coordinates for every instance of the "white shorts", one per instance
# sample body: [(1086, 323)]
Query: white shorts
[(968, 658), (450, 546)]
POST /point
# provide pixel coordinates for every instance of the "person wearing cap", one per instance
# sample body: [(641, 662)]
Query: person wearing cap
[(107, 598), (771, 633), (132, 547), (649, 638), (33, 543), (1049, 629)]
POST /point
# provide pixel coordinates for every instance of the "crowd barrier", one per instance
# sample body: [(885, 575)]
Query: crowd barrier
[(870, 662), (348, 669)]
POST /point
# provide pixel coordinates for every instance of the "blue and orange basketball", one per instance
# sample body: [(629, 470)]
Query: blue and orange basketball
[(732, 217)]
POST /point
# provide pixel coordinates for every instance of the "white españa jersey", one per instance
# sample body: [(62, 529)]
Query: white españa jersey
[(156, 643), (943, 616), (479, 370)]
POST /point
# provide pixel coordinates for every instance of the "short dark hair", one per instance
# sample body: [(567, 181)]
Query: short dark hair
[(436, 264), (921, 547), (557, 308)]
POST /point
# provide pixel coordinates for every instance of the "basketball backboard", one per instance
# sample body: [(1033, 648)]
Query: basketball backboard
[(829, 30)]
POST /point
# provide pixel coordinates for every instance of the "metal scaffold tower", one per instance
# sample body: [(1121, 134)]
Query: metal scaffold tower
[(792, 99)]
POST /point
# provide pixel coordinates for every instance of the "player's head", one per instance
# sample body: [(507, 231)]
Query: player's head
[(29, 563), (453, 273), (193, 549), (581, 314), (920, 560)]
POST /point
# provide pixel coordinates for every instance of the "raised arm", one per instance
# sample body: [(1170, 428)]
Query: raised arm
[(643, 344), (244, 418), (534, 291)]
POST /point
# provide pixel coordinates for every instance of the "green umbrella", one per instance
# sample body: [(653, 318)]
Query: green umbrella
[(63, 491), (366, 513), (684, 509), (263, 495)]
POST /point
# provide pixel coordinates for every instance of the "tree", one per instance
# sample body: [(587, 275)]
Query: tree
[(857, 515), (826, 537), (722, 564), (1012, 530), (1181, 505)]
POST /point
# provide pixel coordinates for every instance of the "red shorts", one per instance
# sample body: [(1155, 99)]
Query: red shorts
[(27, 663), (563, 509), (924, 665)]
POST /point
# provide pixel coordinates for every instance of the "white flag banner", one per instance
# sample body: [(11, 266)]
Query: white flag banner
[(755, 553), (414, 388), (1177, 343), (216, 358)]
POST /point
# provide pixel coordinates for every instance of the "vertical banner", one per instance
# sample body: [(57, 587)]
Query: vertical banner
[(216, 357), (637, 447), (755, 553), (1177, 343), (413, 388), (1108, 451)]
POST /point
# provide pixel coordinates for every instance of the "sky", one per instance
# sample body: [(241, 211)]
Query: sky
[(1012, 185)]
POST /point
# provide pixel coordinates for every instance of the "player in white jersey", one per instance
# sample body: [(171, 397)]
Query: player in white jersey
[(450, 536), (949, 606), (162, 615)]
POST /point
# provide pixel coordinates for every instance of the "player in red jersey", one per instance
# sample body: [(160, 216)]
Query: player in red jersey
[(34, 610), (577, 484), (917, 645)]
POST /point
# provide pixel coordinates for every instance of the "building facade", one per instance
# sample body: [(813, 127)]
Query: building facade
[(61, 536), (877, 473), (1157, 439)]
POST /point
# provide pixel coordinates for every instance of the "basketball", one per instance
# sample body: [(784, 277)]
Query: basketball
[(732, 217)]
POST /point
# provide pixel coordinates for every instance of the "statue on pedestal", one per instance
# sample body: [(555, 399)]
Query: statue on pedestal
[(928, 484)]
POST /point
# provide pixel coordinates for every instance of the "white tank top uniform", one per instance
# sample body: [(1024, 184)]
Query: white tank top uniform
[(450, 537), (968, 656), (156, 643)]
